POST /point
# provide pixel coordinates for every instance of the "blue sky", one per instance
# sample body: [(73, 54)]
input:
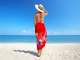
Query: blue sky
[(17, 17)]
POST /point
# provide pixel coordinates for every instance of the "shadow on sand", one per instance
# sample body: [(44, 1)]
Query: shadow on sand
[(28, 51)]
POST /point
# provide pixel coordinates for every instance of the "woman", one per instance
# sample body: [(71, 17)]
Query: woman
[(40, 30)]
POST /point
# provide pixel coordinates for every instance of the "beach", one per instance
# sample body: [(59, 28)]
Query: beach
[(27, 51)]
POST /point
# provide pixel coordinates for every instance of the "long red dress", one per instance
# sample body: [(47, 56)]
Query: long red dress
[(41, 30)]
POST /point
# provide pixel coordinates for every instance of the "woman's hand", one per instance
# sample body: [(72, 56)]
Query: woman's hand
[(36, 34), (45, 13)]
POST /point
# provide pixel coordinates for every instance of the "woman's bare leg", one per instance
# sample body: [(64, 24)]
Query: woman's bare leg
[(39, 52)]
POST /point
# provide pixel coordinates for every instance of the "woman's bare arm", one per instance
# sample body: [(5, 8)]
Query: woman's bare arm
[(34, 20), (35, 24)]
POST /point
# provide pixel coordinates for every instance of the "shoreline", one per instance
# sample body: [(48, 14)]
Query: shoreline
[(35, 43)]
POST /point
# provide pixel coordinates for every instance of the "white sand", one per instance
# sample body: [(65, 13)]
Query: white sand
[(26, 51)]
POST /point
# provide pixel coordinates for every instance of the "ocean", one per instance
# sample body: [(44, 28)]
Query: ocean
[(31, 38)]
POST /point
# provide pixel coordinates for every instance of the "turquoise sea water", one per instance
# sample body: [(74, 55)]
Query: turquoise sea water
[(50, 38)]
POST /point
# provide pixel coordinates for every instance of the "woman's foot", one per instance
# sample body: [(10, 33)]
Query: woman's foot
[(39, 54)]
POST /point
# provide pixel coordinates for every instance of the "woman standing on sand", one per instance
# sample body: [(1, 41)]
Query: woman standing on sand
[(40, 30)]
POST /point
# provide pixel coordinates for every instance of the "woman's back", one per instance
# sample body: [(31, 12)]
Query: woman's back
[(38, 17)]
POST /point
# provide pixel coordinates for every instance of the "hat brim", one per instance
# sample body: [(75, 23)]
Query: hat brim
[(37, 8)]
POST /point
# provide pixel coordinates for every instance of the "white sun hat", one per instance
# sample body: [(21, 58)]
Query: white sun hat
[(40, 8)]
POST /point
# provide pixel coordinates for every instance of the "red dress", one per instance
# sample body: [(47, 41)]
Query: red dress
[(41, 30)]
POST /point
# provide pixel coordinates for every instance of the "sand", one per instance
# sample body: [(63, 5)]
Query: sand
[(27, 51)]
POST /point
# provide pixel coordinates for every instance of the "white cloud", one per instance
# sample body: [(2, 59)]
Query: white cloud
[(63, 33), (24, 31), (27, 32)]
